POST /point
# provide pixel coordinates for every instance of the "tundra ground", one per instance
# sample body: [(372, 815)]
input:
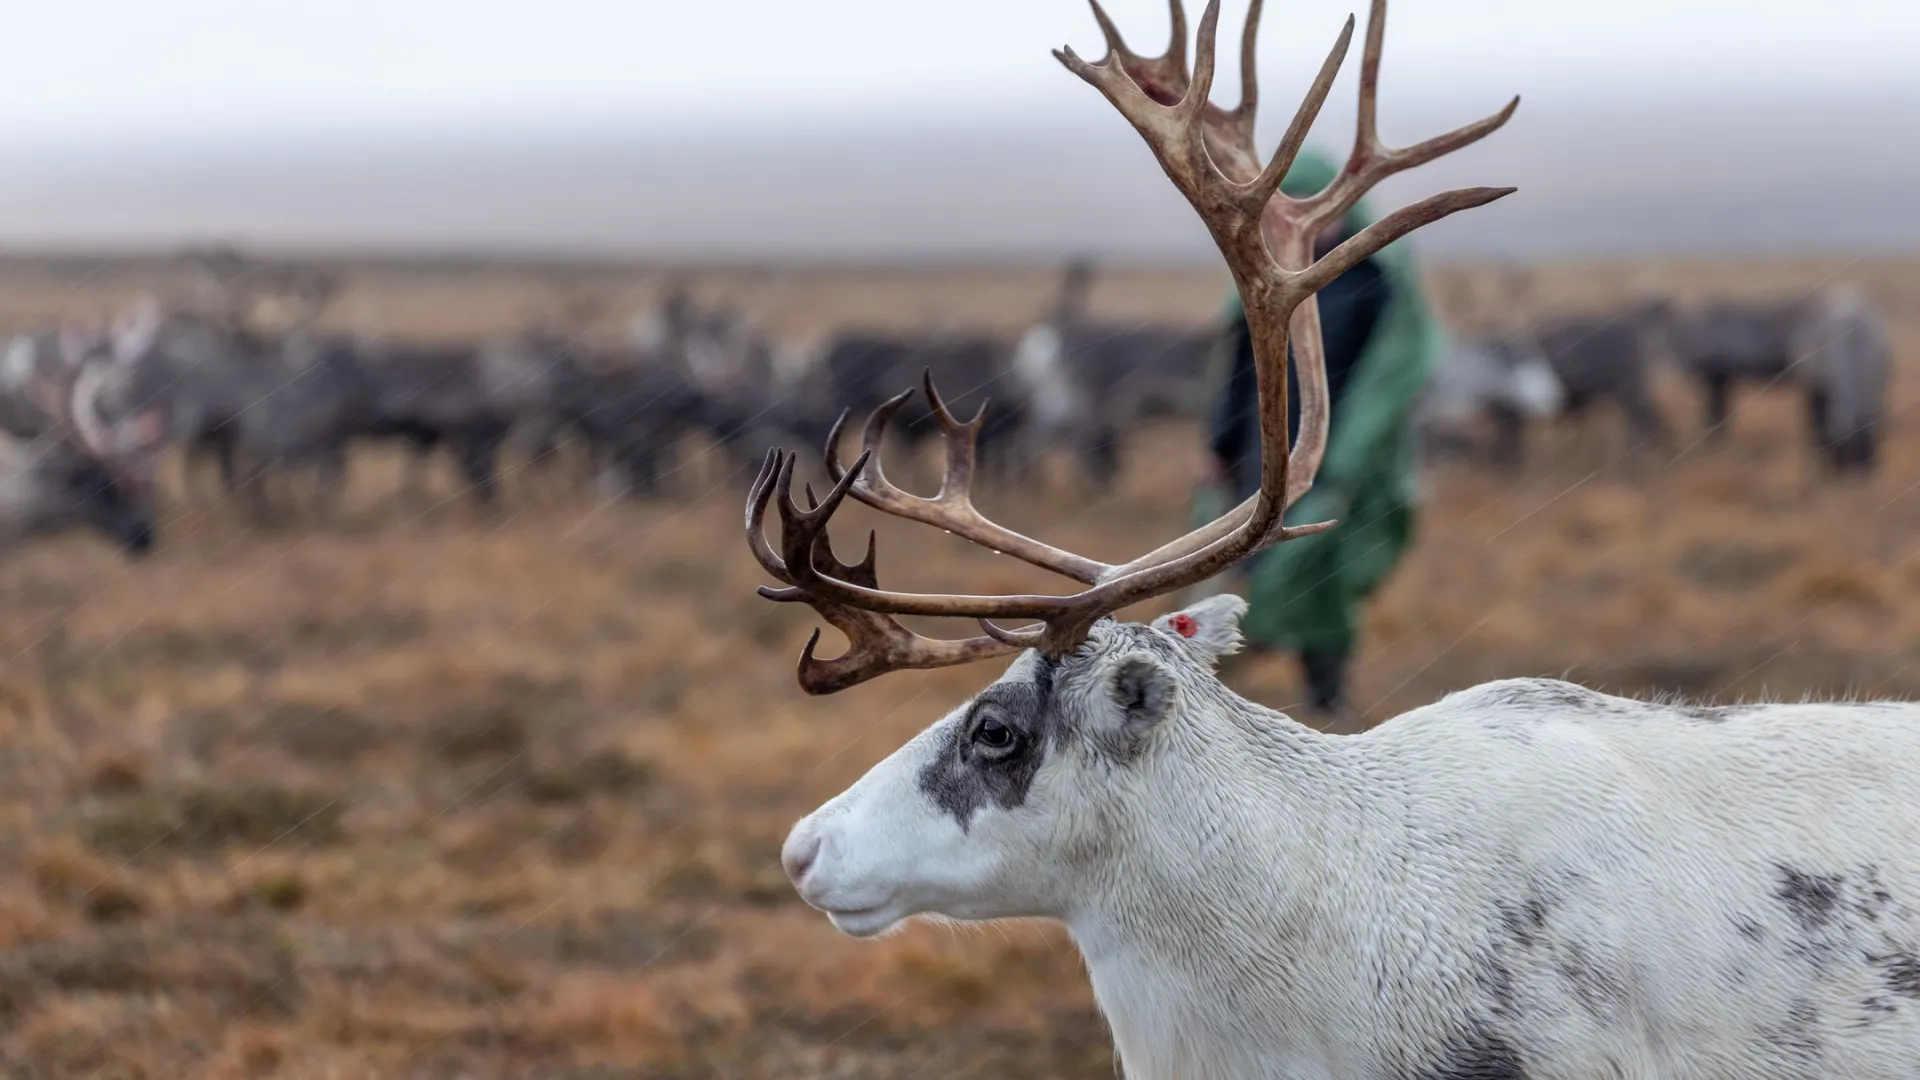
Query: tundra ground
[(423, 792)]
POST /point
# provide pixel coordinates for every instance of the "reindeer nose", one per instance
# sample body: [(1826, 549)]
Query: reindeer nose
[(798, 854)]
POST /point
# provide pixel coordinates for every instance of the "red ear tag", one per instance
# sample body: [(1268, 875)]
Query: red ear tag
[(1185, 626)]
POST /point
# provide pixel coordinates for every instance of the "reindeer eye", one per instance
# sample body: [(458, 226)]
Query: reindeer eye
[(993, 734)]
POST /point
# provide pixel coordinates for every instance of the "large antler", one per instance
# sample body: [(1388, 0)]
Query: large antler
[(1267, 240), (878, 644)]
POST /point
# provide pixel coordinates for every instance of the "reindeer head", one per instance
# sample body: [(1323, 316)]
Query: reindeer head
[(993, 810), (1005, 806), (89, 471)]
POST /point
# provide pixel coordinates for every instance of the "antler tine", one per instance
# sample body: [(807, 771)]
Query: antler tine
[(1243, 115), (758, 496), (1372, 160), (864, 572), (1116, 44), (1358, 247), (871, 438), (1201, 86), (877, 644), (830, 453), (1164, 77), (801, 532), (961, 441), (952, 509), (1030, 638), (1303, 117), (1176, 53), (1366, 135)]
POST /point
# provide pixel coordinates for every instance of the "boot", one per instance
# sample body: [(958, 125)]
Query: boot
[(1326, 679)]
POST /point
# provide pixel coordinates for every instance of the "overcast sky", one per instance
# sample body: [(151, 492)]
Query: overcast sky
[(105, 69), (909, 128)]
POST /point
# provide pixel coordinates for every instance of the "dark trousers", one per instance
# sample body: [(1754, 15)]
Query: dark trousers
[(1326, 670)]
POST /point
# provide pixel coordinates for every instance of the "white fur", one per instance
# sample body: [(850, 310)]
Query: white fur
[(1471, 376), (1536, 389), (1039, 361), (793, 361), (136, 330), (1255, 899), (1845, 298), (20, 363)]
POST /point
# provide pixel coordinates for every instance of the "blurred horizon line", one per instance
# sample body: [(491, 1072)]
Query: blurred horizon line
[(78, 260), (984, 109), (1620, 177)]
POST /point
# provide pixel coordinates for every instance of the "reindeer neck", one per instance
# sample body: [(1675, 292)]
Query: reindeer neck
[(1201, 942)]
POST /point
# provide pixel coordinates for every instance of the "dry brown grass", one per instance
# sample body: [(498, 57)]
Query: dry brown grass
[(434, 795)]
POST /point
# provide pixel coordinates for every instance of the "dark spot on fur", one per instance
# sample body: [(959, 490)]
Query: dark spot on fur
[(1874, 1009), (1513, 728), (1481, 1055), (1902, 972), (1525, 921), (1497, 980), (1825, 951), (1749, 929), (1536, 913), (1812, 899), (1598, 990), (1799, 1034), (963, 777), (1043, 672), (1874, 898)]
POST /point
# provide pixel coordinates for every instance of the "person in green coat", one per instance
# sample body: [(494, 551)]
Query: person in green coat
[(1381, 341)]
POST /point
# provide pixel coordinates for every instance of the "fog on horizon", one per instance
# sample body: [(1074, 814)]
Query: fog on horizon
[(865, 128)]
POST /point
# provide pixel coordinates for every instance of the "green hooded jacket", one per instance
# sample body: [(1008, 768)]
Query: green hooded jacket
[(1306, 593)]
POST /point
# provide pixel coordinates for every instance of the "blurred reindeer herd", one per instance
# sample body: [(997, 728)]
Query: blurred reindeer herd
[(243, 380), (1832, 347)]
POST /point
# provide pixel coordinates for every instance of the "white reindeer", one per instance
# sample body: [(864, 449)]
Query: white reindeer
[(1505, 380), (1525, 880), (1844, 353)]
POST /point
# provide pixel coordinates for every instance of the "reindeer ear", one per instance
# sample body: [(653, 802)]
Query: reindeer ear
[(1210, 627), (1143, 690)]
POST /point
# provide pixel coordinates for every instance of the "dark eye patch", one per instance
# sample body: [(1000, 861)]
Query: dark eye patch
[(993, 754)]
